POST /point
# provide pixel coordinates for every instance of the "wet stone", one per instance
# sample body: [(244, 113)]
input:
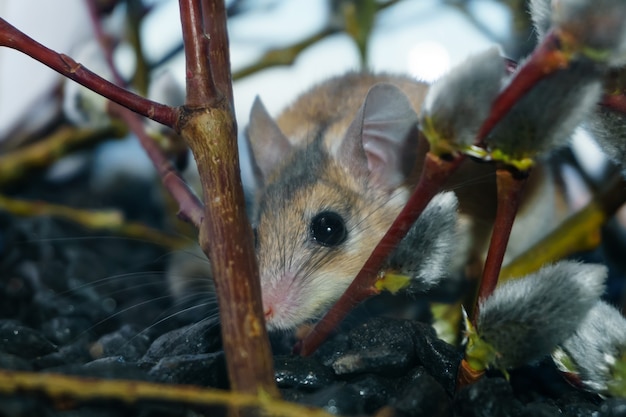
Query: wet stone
[(22, 341), (338, 398), (372, 392), (206, 369), (13, 362), (380, 345), (301, 373), (613, 407), (203, 337), (439, 358), (65, 329), (422, 395), (489, 397), (127, 342), (15, 292), (77, 352), (113, 367)]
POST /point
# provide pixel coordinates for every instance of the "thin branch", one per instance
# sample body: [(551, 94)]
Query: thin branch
[(510, 189), (13, 38), (18, 163), (284, 56), (546, 59), (214, 15), (578, 233), (201, 89), (191, 208), (63, 387), (108, 220)]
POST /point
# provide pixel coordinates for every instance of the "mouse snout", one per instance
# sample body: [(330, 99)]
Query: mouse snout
[(280, 299)]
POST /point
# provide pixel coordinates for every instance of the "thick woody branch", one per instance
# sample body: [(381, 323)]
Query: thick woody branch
[(63, 64), (210, 130)]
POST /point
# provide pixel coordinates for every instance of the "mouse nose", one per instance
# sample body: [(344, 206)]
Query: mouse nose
[(269, 313)]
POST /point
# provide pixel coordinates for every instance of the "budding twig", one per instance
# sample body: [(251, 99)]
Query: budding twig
[(11, 37)]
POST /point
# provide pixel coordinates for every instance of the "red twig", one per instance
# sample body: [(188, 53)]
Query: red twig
[(63, 64), (201, 89), (105, 43), (214, 18), (190, 207), (434, 174), (510, 189), (546, 59)]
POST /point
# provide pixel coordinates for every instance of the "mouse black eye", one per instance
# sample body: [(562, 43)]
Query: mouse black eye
[(328, 229)]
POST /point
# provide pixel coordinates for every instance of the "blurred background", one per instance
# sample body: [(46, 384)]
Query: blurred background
[(307, 42)]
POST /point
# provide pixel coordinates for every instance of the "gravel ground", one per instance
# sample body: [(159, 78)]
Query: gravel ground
[(75, 303)]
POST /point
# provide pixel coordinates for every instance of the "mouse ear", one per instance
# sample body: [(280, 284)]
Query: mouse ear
[(382, 140), (267, 143)]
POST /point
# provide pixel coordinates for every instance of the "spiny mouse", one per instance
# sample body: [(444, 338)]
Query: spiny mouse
[(333, 171)]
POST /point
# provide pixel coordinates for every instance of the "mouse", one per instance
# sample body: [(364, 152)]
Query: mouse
[(333, 170)]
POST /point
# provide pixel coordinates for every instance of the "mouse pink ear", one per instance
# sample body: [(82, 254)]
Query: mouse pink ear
[(381, 142), (268, 144)]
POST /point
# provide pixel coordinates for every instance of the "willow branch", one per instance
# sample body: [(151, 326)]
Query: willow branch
[(190, 207), (201, 88), (11, 37), (214, 16), (546, 59), (17, 163), (63, 387), (209, 128), (108, 220)]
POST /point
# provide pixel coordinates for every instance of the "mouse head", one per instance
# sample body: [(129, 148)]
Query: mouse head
[(323, 206)]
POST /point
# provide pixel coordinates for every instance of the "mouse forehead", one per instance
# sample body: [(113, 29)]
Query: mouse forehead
[(294, 203)]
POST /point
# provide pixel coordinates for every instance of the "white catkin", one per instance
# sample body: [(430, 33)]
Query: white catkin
[(460, 101), (601, 336), (526, 318), (425, 254)]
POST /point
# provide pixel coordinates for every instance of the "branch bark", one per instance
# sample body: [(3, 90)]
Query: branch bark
[(208, 126)]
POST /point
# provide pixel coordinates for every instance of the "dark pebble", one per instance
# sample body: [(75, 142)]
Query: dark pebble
[(15, 363), (372, 392), (23, 341), (439, 358), (489, 397), (613, 407), (127, 342), (379, 346), (113, 367), (422, 395), (301, 373), (65, 329), (203, 337), (206, 369), (337, 398), (76, 353)]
